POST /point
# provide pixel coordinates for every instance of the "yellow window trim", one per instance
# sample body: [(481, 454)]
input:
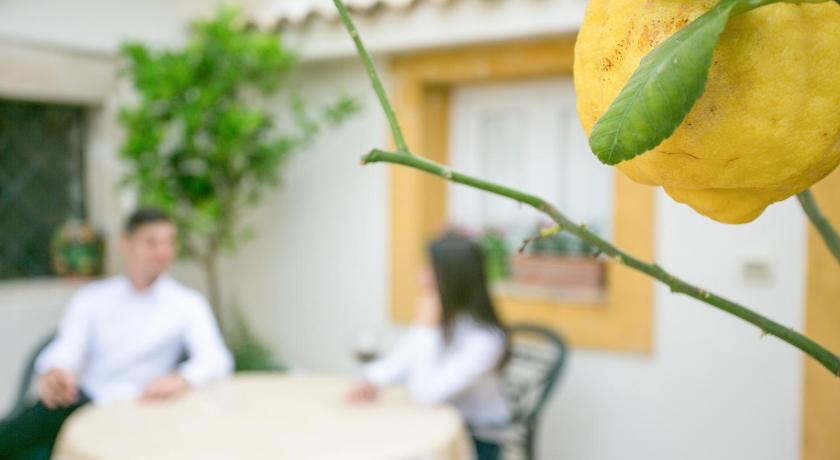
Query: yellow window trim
[(421, 90), (821, 418)]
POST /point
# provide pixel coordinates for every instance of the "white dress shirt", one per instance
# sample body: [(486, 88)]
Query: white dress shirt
[(463, 373), (117, 339)]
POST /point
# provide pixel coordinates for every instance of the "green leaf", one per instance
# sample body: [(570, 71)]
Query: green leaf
[(662, 90), (343, 108)]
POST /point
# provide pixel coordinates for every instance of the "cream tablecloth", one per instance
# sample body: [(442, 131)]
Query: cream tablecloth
[(266, 417)]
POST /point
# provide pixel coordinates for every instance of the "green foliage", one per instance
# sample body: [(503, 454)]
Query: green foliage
[(665, 86), (199, 141), (77, 249), (562, 244), (250, 354), (496, 256), (556, 244)]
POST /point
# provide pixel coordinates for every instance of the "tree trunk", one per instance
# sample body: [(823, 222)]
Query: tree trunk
[(211, 274)]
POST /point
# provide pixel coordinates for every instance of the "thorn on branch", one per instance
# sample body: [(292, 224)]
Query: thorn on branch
[(525, 244), (543, 233)]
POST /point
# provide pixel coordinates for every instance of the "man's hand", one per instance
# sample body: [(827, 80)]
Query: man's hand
[(57, 388), (165, 387)]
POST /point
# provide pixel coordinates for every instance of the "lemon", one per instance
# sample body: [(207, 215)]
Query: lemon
[(767, 125)]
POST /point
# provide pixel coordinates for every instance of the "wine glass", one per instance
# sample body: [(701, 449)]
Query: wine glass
[(366, 346)]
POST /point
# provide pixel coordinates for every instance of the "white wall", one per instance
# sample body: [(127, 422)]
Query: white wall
[(98, 26), (430, 24), (713, 388), (316, 271), (29, 312)]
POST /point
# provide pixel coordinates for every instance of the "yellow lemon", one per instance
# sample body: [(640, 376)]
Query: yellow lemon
[(767, 125)]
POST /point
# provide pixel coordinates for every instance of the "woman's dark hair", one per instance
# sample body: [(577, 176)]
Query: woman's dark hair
[(458, 265), (145, 216)]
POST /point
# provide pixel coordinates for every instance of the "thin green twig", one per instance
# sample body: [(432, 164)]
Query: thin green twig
[(767, 326), (677, 285), (399, 140), (821, 223)]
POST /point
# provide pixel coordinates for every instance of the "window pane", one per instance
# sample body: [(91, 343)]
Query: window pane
[(526, 135), (503, 138), (40, 182)]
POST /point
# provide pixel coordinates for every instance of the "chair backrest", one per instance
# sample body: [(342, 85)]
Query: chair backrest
[(26, 381), (536, 360)]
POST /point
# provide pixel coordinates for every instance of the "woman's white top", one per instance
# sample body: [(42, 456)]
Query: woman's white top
[(464, 372)]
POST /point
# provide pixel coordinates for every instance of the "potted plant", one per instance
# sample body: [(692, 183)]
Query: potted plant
[(496, 256), (558, 261), (77, 250)]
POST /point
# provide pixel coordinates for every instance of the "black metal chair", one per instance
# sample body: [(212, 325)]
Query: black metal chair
[(22, 398), (536, 360)]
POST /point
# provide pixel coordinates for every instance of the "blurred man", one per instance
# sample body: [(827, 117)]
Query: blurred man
[(138, 335)]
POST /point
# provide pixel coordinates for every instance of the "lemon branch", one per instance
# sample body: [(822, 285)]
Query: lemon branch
[(373, 76), (677, 285), (821, 223)]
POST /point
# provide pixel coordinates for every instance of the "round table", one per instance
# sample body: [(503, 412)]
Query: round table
[(263, 416)]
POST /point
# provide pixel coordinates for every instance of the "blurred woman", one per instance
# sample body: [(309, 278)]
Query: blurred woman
[(454, 351)]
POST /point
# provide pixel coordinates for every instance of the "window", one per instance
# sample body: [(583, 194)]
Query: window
[(526, 135), (427, 86), (41, 183)]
